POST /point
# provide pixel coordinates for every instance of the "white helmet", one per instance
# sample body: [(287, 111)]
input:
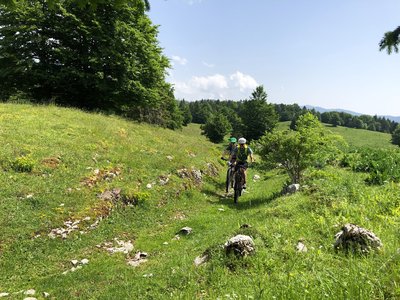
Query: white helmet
[(242, 141)]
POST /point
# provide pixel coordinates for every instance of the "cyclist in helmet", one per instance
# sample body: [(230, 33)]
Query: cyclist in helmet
[(242, 152), (229, 149)]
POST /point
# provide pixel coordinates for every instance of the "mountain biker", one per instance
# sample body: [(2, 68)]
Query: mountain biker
[(242, 152), (229, 149)]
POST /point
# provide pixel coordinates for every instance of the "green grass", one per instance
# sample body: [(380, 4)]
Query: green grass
[(30, 204), (356, 137)]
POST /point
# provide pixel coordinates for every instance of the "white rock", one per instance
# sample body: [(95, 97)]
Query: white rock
[(4, 295), (84, 261), (30, 298), (301, 247), (30, 292), (74, 262), (149, 186), (46, 295), (256, 177)]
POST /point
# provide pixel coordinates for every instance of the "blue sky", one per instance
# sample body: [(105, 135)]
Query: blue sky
[(309, 52)]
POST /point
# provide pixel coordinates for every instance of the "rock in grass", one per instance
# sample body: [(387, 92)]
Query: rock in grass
[(291, 189), (301, 247), (241, 245), (185, 230), (356, 239), (199, 260)]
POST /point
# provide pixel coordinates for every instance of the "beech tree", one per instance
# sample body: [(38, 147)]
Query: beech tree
[(390, 41), (298, 149), (101, 57)]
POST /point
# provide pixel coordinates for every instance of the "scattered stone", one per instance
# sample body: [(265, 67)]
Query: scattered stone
[(71, 226), (84, 261), (256, 177), (301, 247), (113, 195), (185, 230), (193, 174), (191, 154), (212, 170), (169, 157), (148, 275), (121, 246), (242, 245), (29, 196), (74, 262), (291, 189), (176, 238), (4, 294), (99, 175), (30, 298), (221, 209), (199, 260), (165, 243), (163, 180), (356, 239), (30, 292), (149, 186), (139, 258), (46, 295)]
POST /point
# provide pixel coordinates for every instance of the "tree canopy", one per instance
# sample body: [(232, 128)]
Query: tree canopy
[(105, 57), (390, 41)]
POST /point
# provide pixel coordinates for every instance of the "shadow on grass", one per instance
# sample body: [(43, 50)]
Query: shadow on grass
[(219, 197)]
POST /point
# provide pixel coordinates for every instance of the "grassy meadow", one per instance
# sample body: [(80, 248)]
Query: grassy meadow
[(58, 164)]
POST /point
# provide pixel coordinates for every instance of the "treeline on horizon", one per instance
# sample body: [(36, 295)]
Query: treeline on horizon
[(201, 110)]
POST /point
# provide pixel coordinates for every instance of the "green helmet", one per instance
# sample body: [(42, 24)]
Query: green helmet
[(232, 140)]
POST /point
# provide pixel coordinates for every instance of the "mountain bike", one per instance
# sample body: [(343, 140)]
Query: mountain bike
[(238, 182), (229, 181)]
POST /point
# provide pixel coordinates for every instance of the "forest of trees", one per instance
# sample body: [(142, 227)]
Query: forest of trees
[(94, 55), (235, 112)]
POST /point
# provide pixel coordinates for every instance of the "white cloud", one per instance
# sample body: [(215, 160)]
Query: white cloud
[(235, 87), (208, 65), (179, 60), (191, 2), (243, 81), (212, 82)]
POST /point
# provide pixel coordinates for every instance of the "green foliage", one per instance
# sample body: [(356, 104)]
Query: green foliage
[(257, 115), (216, 128), (307, 146), (185, 110), (24, 163), (396, 136), (390, 41), (382, 165), (105, 57), (31, 206)]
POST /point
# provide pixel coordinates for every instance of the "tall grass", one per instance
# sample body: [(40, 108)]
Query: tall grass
[(31, 204)]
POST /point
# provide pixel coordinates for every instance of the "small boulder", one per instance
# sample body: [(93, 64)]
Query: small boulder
[(199, 260), (185, 230), (356, 239), (242, 245), (291, 189)]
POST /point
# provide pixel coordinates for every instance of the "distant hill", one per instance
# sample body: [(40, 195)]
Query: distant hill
[(322, 110)]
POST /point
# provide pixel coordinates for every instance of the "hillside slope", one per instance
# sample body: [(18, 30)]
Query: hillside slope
[(91, 208)]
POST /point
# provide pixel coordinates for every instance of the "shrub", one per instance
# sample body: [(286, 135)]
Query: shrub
[(23, 163)]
